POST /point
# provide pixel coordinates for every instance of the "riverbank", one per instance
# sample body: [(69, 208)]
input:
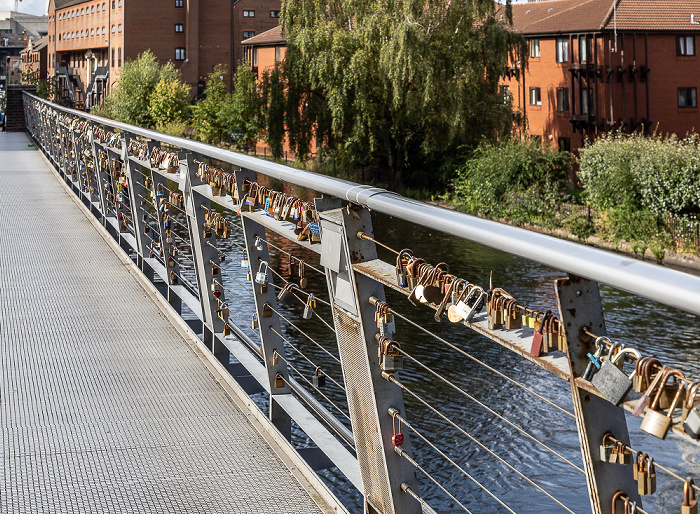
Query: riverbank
[(680, 261)]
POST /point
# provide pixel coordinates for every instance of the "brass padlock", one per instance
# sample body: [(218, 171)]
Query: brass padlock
[(254, 323), (606, 448), (279, 381), (266, 311), (654, 422), (640, 473), (690, 504), (223, 311)]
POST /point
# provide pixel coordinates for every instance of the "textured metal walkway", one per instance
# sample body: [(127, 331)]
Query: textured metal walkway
[(104, 406)]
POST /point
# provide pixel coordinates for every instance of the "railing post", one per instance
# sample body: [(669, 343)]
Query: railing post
[(100, 174), (269, 327), (370, 396), (579, 308), (204, 255), (138, 202)]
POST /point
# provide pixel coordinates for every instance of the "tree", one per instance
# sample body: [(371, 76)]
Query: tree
[(241, 111), (207, 113), (169, 101), (401, 82), (130, 100)]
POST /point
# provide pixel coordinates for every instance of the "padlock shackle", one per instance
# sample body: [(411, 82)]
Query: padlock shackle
[(668, 373), (619, 495), (601, 343)]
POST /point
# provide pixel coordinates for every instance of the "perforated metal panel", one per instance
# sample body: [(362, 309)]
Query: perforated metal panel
[(363, 412)]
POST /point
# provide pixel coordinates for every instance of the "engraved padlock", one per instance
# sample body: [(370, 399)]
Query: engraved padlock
[(654, 422), (398, 438), (611, 381), (690, 503)]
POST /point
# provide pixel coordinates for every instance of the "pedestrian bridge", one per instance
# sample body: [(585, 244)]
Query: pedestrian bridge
[(189, 329)]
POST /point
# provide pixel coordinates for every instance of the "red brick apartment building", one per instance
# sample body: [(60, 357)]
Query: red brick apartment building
[(89, 40), (600, 65), (34, 57)]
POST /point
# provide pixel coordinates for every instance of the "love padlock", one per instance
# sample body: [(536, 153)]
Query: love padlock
[(309, 306), (397, 439), (611, 381), (261, 275), (654, 422)]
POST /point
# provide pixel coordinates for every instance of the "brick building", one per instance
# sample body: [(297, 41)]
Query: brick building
[(34, 58), (600, 65), (89, 40)]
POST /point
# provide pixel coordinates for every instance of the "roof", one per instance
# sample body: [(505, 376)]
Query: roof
[(572, 16), (62, 4), (36, 46), (269, 37)]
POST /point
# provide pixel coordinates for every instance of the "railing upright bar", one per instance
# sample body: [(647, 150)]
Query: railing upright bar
[(579, 308), (203, 256), (369, 394), (139, 205), (266, 309)]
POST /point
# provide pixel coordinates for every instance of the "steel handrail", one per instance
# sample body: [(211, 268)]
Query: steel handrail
[(667, 286)]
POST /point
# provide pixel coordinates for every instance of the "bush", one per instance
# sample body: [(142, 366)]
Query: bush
[(495, 169)]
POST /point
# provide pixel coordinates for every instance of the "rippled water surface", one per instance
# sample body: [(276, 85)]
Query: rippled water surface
[(670, 334)]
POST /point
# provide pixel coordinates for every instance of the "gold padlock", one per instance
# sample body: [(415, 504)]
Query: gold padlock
[(690, 503), (654, 422), (279, 381)]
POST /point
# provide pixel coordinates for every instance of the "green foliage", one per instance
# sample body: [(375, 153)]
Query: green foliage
[(581, 226), (509, 167), (273, 110), (397, 85), (169, 101), (207, 119), (178, 128), (241, 110)]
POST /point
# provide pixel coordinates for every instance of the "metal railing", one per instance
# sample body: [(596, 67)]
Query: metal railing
[(173, 203)]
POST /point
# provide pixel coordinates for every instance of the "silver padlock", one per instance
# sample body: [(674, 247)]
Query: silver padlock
[(309, 307), (390, 354), (387, 325), (611, 381), (464, 310), (691, 425), (261, 275), (245, 264)]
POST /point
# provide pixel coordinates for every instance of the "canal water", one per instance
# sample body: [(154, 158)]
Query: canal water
[(670, 334)]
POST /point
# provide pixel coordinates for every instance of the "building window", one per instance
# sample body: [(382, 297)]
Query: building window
[(104, 6), (119, 57), (586, 100), (562, 50), (685, 45), (249, 13), (114, 4), (274, 14), (104, 30), (583, 49), (278, 53), (248, 33), (535, 96), (687, 97), (92, 32), (179, 27), (114, 28), (120, 3), (112, 57), (120, 28), (564, 144), (92, 10), (98, 7), (534, 48), (82, 12), (180, 54), (179, 3), (255, 56), (562, 99), (505, 94)]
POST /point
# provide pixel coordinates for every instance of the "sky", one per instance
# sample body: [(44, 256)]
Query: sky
[(25, 6)]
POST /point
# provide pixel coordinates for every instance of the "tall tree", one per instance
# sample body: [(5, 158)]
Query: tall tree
[(402, 81)]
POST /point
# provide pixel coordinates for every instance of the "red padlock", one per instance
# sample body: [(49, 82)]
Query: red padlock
[(216, 293), (397, 438)]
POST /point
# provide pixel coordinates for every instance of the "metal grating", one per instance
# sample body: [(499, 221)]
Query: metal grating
[(362, 408), (103, 406)]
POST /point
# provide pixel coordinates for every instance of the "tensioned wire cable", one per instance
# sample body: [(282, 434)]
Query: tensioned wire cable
[(490, 410), (447, 458), (391, 378), (424, 505), (307, 358), (480, 362), (234, 296), (303, 376), (289, 254), (222, 270), (282, 316)]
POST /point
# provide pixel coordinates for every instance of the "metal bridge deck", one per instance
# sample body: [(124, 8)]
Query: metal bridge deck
[(104, 405)]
